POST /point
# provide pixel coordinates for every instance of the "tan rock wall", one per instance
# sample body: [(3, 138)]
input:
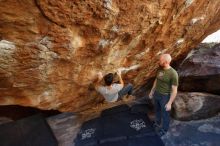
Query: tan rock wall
[(50, 50)]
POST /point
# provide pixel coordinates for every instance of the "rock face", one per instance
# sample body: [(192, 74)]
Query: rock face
[(51, 50), (200, 71), (195, 105), (193, 133)]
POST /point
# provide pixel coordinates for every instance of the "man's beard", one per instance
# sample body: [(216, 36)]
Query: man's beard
[(161, 65)]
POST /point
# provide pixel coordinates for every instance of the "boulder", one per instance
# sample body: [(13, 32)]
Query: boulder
[(51, 50), (195, 105), (200, 71)]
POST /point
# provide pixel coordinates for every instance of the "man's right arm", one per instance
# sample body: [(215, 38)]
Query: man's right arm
[(120, 78), (153, 89)]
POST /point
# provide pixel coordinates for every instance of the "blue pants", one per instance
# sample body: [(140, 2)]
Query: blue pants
[(125, 90), (162, 116)]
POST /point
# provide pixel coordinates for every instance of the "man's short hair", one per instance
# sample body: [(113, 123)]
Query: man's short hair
[(109, 79), (166, 57)]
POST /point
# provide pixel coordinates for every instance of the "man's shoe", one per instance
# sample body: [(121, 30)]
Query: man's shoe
[(128, 98), (156, 126), (131, 97), (161, 132)]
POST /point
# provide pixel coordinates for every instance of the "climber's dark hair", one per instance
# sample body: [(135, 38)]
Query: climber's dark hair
[(109, 79)]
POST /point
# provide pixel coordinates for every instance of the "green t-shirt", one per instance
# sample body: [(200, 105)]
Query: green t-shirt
[(165, 80)]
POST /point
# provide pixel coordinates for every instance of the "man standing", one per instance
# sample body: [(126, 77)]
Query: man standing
[(164, 92), (112, 91)]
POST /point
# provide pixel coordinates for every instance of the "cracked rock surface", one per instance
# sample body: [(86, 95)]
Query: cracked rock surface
[(51, 50)]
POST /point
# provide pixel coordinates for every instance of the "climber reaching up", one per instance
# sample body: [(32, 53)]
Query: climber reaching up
[(112, 91)]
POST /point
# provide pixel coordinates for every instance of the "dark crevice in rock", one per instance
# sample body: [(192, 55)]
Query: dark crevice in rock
[(45, 16), (16, 112), (200, 84)]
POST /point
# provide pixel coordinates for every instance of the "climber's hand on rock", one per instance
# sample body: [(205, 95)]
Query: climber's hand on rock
[(118, 72), (100, 75)]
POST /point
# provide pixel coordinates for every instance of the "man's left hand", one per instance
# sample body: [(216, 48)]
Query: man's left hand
[(168, 106), (100, 76), (118, 72)]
